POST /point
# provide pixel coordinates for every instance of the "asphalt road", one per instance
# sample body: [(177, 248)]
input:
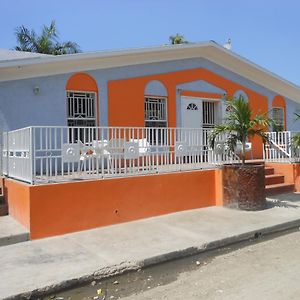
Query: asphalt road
[(266, 270)]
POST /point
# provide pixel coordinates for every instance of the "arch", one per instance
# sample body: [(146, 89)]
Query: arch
[(239, 93), (85, 86), (155, 88), (279, 102), (82, 82)]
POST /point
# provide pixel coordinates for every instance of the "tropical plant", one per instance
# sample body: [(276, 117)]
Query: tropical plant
[(296, 138), (46, 43), (239, 126), (177, 39)]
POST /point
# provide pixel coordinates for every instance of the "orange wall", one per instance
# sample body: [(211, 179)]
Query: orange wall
[(17, 195), (126, 97), (61, 208)]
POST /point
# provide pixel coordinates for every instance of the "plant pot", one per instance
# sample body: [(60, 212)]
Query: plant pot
[(244, 186)]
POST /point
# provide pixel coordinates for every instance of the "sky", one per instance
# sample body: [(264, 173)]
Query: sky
[(267, 32)]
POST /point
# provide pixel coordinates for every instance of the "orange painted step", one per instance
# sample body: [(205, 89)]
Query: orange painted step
[(280, 188), (274, 179), (269, 171)]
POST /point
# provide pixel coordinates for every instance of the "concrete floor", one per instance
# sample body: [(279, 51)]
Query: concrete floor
[(57, 262), (12, 232)]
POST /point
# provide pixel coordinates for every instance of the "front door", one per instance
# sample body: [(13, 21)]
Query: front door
[(191, 112), (197, 112)]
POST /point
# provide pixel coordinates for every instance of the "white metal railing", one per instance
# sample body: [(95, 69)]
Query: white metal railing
[(281, 147), (17, 155), (54, 154)]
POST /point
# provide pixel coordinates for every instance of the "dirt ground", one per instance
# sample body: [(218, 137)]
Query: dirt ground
[(267, 269)]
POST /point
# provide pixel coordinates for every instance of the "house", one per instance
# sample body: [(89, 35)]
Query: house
[(93, 139)]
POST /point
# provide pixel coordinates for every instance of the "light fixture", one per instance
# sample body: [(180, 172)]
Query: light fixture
[(36, 90)]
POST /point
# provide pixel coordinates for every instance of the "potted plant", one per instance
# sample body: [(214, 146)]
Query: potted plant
[(243, 183)]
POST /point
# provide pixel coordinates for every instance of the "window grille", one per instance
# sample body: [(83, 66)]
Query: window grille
[(156, 116), (192, 106), (278, 116), (155, 112), (81, 112), (209, 114)]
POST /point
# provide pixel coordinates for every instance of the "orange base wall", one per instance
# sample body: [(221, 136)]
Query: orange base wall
[(54, 209)]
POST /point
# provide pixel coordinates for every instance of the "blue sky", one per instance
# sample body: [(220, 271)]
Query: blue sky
[(266, 32)]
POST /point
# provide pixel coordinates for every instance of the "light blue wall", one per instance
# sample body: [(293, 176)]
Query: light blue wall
[(20, 107)]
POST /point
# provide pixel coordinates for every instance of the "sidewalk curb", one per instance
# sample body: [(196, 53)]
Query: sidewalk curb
[(127, 266)]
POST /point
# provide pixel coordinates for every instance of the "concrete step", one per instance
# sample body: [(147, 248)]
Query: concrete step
[(269, 171), (279, 188), (12, 232), (274, 179)]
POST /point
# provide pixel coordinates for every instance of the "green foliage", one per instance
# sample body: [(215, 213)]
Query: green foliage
[(277, 127), (46, 43), (296, 140), (178, 39), (239, 126)]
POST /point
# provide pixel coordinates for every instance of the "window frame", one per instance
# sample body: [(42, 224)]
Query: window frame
[(166, 111), (94, 118), (282, 109)]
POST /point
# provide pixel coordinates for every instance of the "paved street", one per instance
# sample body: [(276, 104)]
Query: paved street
[(267, 270)]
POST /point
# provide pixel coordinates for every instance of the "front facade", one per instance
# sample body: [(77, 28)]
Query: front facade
[(165, 87)]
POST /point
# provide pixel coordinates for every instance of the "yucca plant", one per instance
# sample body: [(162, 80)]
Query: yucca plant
[(239, 126)]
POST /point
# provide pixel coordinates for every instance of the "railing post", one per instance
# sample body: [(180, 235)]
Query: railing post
[(7, 153), (31, 154)]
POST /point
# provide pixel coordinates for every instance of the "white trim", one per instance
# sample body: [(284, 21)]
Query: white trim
[(52, 65)]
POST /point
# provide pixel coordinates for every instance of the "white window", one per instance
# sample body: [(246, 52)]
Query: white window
[(81, 109), (155, 112), (278, 116)]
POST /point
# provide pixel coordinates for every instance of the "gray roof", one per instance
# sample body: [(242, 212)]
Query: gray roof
[(8, 55)]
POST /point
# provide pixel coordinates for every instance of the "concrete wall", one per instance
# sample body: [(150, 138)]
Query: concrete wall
[(20, 107)]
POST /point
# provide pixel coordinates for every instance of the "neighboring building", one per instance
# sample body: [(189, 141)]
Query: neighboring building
[(178, 86)]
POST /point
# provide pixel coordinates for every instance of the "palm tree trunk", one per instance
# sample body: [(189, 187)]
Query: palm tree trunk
[(243, 152)]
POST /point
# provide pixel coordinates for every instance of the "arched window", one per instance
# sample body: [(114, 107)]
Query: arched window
[(278, 113), (155, 104), (82, 96), (192, 106), (241, 93), (155, 108)]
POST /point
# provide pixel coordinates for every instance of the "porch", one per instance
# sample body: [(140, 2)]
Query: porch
[(66, 179)]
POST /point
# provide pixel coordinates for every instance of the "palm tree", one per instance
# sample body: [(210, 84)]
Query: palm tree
[(47, 42), (177, 39), (239, 126)]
